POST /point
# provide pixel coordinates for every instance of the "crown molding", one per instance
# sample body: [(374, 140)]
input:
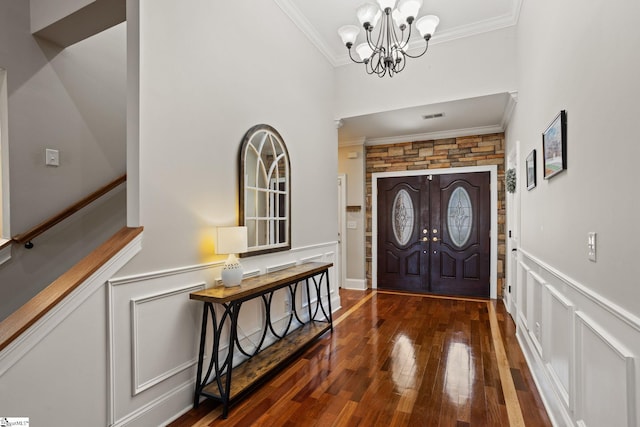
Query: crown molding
[(456, 133), (509, 108), (307, 28)]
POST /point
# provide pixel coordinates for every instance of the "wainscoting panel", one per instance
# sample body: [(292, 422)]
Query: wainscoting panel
[(604, 374), (535, 285), (583, 353), (558, 345), (157, 357), (521, 294)]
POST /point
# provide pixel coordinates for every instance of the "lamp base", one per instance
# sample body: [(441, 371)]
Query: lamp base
[(232, 272)]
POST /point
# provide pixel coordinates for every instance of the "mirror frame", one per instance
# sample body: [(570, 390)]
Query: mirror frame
[(258, 131)]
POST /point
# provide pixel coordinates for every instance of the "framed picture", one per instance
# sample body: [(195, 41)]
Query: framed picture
[(531, 170), (554, 146)]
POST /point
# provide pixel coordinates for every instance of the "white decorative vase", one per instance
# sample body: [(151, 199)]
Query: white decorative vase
[(231, 272)]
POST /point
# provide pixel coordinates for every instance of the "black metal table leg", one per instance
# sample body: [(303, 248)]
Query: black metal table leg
[(203, 337), (330, 319), (233, 334)]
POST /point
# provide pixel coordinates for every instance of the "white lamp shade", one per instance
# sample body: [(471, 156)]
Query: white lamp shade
[(231, 240), (387, 4), (348, 33), (399, 18), (364, 51), (367, 13), (410, 7), (427, 24)]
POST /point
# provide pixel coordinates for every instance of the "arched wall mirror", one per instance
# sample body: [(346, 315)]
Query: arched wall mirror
[(265, 191)]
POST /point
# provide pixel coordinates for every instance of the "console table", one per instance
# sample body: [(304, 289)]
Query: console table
[(231, 382)]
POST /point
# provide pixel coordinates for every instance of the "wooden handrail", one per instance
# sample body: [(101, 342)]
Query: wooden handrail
[(26, 237), (21, 319)]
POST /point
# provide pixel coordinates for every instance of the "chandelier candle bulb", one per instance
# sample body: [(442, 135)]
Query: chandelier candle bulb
[(427, 25), (386, 52), (348, 34), (368, 15), (410, 8)]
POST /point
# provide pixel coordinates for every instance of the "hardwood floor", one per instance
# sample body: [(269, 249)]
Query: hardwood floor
[(398, 360)]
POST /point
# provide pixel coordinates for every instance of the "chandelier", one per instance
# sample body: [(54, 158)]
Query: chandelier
[(387, 51)]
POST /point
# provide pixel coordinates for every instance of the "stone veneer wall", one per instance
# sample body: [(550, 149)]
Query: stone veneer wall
[(442, 153)]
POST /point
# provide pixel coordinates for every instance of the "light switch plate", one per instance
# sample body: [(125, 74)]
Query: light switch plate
[(52, 157), (591, 245), (352, 225)]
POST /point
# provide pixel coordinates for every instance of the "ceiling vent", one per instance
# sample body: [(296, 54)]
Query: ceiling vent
[(433, 116)]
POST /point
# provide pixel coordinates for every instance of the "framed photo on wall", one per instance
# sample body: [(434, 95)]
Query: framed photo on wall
[(554, 146), (531, 170)]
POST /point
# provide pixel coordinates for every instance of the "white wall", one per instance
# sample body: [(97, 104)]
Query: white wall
[(196, 103), (464, 68), (73, 100), (578, 319), (596, 83), (197, 100)]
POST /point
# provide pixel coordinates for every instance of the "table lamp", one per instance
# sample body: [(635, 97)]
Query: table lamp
[(231, 240)]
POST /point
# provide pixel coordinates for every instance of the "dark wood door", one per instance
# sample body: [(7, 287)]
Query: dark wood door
[(403, 206), (434, 234)]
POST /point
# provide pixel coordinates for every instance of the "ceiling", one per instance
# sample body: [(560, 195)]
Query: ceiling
[(320, 20)]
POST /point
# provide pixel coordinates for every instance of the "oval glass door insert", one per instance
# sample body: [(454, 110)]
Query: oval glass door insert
[(459, 217), (402, 217)]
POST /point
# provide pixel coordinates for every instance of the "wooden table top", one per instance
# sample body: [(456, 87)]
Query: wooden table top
[(257, 285)]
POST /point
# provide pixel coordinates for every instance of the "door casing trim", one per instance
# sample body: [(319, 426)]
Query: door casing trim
[(493, 171)]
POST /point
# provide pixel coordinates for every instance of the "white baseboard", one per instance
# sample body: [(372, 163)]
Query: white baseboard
[(355, 284)]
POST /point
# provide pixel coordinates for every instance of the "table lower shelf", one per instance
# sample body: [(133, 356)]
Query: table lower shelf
[(251, 371)]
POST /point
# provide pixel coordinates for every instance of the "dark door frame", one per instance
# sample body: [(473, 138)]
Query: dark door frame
[(492, 169)]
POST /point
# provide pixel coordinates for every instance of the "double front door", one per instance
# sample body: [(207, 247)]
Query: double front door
[(434, 234)]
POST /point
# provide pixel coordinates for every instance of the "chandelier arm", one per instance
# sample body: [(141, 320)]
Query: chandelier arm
[(405, 46), (402, 64), (426, 46), (353, 59), (375, 47), (376, 65), (394, 36)]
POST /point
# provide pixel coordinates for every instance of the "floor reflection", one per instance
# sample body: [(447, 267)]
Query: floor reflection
[(460, 373), (403, 363)]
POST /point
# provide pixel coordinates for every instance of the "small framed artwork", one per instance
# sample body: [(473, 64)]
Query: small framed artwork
[(531, 170), (554, 146)]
